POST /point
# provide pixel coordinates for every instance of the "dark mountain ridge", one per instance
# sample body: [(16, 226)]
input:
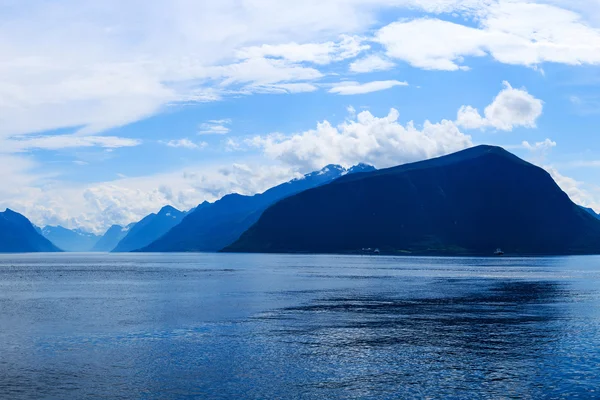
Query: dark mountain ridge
[(466, 203), (18, 235), (213, 226), (591, 212)]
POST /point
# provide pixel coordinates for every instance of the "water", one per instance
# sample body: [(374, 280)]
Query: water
[(273, 326)]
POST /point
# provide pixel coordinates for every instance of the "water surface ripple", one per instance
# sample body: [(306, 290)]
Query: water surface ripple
[(171, 326)]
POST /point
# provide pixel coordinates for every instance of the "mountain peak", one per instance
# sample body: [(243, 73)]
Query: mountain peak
[(332, 167), (169, 211), (361, 167), (18, 234), (468, 203), (216, 225)]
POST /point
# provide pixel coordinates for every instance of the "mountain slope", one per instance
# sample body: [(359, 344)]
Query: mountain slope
[(470, 203), (149, 229), (213, 226), (18, 235), (111, 238), (74, 240), (591, 212)]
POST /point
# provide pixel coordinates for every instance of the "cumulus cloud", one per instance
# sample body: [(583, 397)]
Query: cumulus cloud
[(511, 108), (366, 138), (95, 207), (539, 146), (351, 88), (575, 189), (386, 142)]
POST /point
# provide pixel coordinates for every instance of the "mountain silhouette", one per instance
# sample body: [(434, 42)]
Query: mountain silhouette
[(591, 212), (149, 229), (213, 226), (18, 235), (466, 203)]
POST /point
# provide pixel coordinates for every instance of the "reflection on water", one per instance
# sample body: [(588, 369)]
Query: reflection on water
[(241, 326)]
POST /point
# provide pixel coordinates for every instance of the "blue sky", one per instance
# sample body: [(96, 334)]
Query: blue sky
[(110, 110)]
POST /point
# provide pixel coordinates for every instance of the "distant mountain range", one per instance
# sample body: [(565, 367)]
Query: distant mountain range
[(19, 235), (70, 239), (467, 203), (149, 229), (111, 238), (212, 226)]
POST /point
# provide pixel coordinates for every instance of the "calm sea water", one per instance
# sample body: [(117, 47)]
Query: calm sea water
[(273, 326)]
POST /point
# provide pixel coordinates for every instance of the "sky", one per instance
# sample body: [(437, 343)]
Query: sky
[(110, 110)]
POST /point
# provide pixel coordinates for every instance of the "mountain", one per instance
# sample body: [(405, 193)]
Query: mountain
[(591, 212), (111, 238), (18, 235), (149, 229), (72, 240), (466, 203), (213, 226)]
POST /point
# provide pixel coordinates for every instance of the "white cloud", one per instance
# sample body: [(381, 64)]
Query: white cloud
[(91, 67), (97, 206), (351, 88), (385, 142), (418, 43), (101, 66), (64, 142), (185, 143), (511, 108), (371, 63), (575, 189), (539, 146), (317, 53), (264, 71), (351, 111), (280, 88), (215, 127), (382, 142), (513, 32), (538, 151)]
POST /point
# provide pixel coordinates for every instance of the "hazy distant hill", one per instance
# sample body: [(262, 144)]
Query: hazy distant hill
[(213, 226), (111, 238), (470, 202), (74, 240), (18, 235), (149, 229)]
